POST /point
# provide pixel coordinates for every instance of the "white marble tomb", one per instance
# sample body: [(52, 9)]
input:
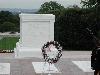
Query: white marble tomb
[(35, 30)]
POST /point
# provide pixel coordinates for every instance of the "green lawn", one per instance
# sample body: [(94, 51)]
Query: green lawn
[(8, 43)]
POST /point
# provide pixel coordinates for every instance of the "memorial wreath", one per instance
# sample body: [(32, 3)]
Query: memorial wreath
[(52, 51)]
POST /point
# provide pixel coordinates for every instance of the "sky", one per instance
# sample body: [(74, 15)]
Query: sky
[(34, 4)]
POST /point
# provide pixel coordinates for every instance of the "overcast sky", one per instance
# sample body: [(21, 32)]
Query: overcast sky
[(33, 4)]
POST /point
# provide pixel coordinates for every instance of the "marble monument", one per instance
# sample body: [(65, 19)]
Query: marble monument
[(35, 30)]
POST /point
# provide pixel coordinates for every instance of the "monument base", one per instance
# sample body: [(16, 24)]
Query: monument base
[(21, 52), (42, 67)]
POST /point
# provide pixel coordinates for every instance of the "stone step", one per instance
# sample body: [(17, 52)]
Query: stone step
[(29, 52)]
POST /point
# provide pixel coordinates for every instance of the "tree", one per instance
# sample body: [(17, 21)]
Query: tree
[(94, 6), (70, 29), (7, 26), (51, 7), (90, 3), (6, 16)]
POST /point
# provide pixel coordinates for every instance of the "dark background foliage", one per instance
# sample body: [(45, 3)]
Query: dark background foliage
[(9, 21), (71, 25)]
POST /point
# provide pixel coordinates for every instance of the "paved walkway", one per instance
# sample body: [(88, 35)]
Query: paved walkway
[(23, 66)]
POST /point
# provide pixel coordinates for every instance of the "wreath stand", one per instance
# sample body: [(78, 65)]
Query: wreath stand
[(44, 68), (51, 52)]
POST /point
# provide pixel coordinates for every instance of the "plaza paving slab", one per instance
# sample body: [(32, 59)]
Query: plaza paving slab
[(5, 68), (84, 65), (23, 66)]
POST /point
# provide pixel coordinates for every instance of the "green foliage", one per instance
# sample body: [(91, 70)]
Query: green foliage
[(94, 16), (70, 29), (70, 26), (51, 7), (94, 5), (7, 26), (8, 21), (88, 3)]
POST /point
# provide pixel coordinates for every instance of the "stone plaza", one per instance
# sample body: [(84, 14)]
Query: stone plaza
[(23, 66)]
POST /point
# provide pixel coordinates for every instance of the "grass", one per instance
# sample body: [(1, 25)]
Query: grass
[(8, 43)]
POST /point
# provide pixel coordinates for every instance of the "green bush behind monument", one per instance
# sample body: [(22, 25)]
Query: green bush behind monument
[(71, 23)]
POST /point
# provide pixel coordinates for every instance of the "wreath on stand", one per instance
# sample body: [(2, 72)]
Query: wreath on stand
[(52, 51)]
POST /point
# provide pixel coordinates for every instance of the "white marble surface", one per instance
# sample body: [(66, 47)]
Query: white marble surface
[(5, 68), (36, 29), (41, 67), (29, 52), (85, 66)]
